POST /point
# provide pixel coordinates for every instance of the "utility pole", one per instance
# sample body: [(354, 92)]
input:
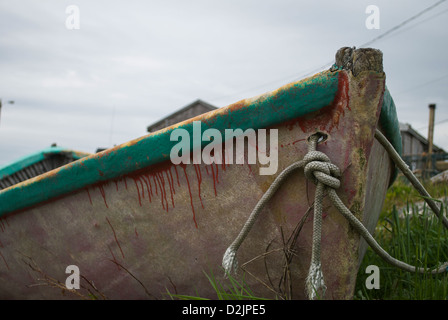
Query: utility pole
[(432, 111)]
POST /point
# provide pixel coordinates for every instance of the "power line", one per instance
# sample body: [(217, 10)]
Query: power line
[(305, 74), (420, 22), (422, 85), (398, 26), (254, 88), (435, 123), (293, 77)]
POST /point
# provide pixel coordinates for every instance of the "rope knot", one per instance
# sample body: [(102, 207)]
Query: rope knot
[(318, 168)]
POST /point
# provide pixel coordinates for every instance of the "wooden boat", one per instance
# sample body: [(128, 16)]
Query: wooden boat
[(137, 226), (36, 164)]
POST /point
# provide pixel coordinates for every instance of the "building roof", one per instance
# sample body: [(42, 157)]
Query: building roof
[(182, 110), (406, 127)]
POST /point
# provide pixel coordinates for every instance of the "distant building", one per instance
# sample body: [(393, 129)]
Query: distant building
[(413, 142), (194, 109), (415, 148)]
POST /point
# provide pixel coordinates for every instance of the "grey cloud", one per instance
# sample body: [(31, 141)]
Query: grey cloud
[(145, 59)]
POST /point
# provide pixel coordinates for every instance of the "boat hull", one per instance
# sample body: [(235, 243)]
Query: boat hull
[(164, 227)]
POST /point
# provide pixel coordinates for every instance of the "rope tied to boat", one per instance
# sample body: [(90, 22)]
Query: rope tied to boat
[(319, 169)]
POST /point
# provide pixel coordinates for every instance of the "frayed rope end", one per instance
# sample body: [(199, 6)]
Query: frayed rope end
[(315, 285), (229, 261)]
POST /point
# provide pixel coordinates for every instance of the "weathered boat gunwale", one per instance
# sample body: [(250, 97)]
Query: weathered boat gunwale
[(36, 164), (284, 104), (33, 158)]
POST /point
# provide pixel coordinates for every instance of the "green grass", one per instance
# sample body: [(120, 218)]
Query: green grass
[(231, 290), (418, 239)]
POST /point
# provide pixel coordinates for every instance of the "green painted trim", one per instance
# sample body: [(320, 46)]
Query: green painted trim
[(33, 158), (286, 103), (389, 123)]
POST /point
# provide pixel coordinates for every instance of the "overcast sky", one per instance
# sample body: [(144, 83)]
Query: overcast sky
[(134, 62)]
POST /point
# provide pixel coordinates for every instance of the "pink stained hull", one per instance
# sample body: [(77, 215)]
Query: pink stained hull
[(166, 225)]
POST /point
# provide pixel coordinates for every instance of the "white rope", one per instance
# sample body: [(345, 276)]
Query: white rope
[(229, 261), (411, 177), (323, 173), (319, 169)]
